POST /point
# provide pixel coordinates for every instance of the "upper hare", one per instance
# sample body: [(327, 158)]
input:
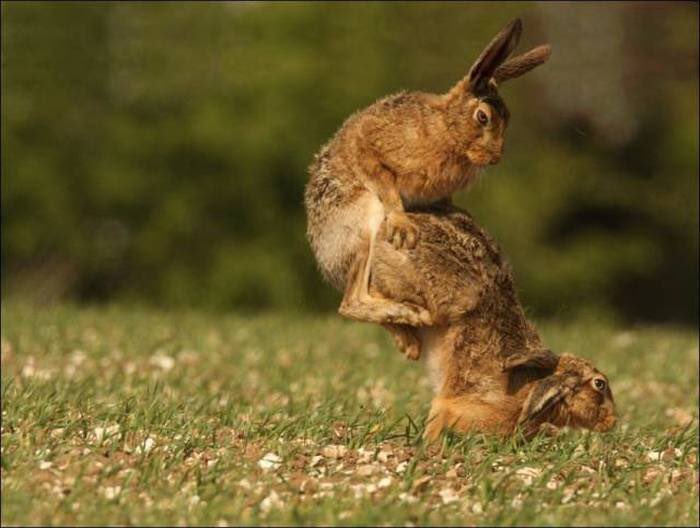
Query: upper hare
[(403, 151), (490, 370)]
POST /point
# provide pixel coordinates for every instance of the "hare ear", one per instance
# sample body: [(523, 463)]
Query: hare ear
[(521, 64), (493, 55), (545, 395), (543, 359)]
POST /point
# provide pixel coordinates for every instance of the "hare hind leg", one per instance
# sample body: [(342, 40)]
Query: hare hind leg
[(360, 305)]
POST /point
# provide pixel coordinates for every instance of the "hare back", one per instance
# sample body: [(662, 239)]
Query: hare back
[(454, 266)]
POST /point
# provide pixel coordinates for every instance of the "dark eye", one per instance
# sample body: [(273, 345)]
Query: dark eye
[(599, 384), (481, 117)]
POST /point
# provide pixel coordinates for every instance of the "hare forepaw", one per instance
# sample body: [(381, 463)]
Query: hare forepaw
[(548, 429), (406, 340), (400, 230), (412, 351)]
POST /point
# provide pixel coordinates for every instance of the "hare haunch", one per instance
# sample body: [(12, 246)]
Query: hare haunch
[(404, 150), (490, 370)]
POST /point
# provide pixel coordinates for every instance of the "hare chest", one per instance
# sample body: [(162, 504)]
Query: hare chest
[(434, 352), (439, 177)]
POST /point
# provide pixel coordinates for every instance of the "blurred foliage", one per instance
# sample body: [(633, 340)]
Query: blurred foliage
[(158, 152)]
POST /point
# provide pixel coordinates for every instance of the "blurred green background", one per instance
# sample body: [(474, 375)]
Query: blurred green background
[(157, 152)]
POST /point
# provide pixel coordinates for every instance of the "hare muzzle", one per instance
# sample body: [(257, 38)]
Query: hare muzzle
[(606, 424), (482, 155), (606, 418)]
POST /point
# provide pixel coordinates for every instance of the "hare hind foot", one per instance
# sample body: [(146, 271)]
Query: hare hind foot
[(379, 310), (359, 304)]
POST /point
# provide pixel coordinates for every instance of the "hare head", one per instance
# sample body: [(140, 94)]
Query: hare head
[(576, 394), (476, 116)]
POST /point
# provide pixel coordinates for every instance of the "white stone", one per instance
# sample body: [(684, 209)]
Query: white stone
[(384, 483), (270, 461), (401, 467), (448, 495)]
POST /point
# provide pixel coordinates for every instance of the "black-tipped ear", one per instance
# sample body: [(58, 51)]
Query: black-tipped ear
[(543, 359), (494, 55), (522, 64), (544, 396)]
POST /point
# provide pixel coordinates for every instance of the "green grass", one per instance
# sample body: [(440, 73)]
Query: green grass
[(130, 416)]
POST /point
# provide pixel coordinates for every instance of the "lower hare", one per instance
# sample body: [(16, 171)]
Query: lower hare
[(489, 368)]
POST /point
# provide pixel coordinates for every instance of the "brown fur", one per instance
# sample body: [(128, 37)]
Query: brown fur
[(404, 151), (516, 66), (490, 369)]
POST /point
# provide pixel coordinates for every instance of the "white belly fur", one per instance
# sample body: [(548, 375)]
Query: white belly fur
[(346, 230)]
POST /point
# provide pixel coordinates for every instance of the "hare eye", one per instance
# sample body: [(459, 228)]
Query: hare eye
[(599, 384), (482, 117)]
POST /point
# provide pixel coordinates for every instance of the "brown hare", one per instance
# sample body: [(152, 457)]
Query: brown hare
[(490, 370), (405, 150)]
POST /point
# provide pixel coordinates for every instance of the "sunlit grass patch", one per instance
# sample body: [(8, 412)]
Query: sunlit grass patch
[(129, 416)]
